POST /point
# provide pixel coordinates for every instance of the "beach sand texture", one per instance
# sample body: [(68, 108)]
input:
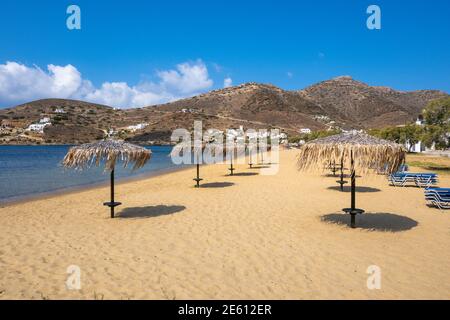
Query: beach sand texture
[(241, 237)]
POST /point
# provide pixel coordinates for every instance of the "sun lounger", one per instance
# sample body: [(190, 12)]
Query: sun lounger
[(439, 197), (401, 179)]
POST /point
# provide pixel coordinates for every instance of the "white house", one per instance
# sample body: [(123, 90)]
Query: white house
[(44, 120), (418, 147), (59, 110), (305, 130), (420, 121), (38, 127), (137, 127), (282, 137)]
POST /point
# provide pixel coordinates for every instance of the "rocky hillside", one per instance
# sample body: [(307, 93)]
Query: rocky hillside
[(355, 104), (253, 102), (340, 102)]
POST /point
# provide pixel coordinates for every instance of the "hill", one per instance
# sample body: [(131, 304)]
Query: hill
[(339, 102)]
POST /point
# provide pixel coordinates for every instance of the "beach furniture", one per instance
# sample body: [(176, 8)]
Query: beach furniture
[(231, 148), (231, 168), (401, 179), (353, 211), (196, 150), (198, 179), (333, 167), (107, 152), (438, 197), (112, 204), (363, 152), (252, 151), (341, 181)]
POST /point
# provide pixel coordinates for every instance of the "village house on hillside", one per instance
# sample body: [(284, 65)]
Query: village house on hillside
[(305, 130), (136, 127), (39, 127), (59, 110)]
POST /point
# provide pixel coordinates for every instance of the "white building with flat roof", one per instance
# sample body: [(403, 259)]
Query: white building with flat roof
[(305, 130), (44, 120), (38, 127), (137, 127)]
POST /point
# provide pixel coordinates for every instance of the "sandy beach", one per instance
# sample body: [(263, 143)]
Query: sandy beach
[(249, 236)]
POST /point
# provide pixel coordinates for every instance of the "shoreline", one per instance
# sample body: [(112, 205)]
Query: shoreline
[(9, 202), (75, 144)]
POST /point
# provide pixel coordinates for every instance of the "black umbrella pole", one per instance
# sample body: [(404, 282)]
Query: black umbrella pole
[(353, 200), (112, 194), (198, 176)]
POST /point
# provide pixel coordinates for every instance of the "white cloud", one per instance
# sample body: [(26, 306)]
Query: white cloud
[(227, 82), (321, 55), (188, 78), (290, 75), (20, 83)]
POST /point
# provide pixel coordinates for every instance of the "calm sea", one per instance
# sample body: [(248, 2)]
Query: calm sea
[(34, 170)]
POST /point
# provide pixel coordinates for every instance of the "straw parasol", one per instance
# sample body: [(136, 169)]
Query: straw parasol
[(359, 151), (196, 149), (107, 152)]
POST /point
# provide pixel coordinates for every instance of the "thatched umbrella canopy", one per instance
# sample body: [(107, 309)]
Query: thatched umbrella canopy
[(368, 152), (363, 153), (107, 152)]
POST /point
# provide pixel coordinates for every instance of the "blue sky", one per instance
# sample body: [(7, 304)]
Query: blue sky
[(155, 50)]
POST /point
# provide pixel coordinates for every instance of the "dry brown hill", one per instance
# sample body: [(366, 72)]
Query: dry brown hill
[(342, 102)]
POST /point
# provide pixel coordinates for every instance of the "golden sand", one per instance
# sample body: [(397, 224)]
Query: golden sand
[(246, 237)]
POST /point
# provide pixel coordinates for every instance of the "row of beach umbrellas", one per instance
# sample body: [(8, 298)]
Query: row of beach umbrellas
[(358, 151), (111, 151)]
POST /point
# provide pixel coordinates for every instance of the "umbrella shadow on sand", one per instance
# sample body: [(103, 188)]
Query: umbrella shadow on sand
[(338, 175), (387, 222), (217, 185), (255, 167), (244, 174), (358, 189), (149, 212)]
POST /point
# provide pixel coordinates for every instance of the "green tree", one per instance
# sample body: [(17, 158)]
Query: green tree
[(410, 133), (437, 112), (437, 128), (437, 136)]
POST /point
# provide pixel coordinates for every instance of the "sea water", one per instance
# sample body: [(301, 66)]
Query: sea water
[(27, 171)]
